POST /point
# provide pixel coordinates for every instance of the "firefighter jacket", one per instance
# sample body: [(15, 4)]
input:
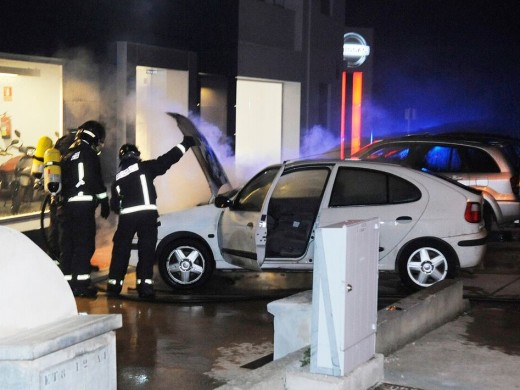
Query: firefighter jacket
[(81, 175), (133, 189)]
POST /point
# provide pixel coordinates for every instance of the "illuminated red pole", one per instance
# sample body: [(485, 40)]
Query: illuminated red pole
[(357, 94), (343, 104)]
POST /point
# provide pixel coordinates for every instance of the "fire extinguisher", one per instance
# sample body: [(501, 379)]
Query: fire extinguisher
[(5, 125)]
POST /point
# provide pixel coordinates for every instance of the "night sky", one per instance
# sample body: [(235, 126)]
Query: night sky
[(450, 60)]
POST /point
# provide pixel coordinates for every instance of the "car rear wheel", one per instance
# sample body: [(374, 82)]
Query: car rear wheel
[(185, 264), (426, 262)]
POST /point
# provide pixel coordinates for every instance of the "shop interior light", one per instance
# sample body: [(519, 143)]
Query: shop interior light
[(14, 71)]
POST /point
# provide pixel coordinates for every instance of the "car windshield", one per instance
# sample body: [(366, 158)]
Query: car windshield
[(252, 195)]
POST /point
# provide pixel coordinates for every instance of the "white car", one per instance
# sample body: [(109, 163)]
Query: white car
[(430, 226)]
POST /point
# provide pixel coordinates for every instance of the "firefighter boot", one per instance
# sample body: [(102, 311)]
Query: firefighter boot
[(85, 291), (114, 287), (145, 288), (81, 287)]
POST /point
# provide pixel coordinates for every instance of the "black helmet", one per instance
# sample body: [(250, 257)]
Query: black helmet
[(128, 151), (93, 133)]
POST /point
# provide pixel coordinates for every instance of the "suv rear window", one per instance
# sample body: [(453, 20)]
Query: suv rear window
[(450, 158)]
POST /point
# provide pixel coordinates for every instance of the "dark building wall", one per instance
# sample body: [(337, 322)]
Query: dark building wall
[(46, 28), (290, 40)]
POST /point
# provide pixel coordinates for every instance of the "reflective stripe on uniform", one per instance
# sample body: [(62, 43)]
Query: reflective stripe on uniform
[(132, 168), (81, 175), (146, 281), (144, 186), (114, 282), (134, 209), (68, 277), (83, 277), (102, 195), (81, 198), (146, 196), (182, 148)]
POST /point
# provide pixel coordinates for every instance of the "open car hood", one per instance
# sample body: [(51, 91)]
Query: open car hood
[(208, 161)]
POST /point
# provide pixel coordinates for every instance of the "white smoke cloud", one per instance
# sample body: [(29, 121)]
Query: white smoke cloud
[(319, 142)]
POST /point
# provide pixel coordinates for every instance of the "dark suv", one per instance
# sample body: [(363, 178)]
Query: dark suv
[(486, 162)]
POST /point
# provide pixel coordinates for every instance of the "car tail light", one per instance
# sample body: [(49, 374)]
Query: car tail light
[(515, 184), (473, 212)]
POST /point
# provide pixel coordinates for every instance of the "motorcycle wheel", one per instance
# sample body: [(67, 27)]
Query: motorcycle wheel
[(16, 197)]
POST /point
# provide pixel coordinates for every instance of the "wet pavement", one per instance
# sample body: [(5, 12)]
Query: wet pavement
[(203, 339)]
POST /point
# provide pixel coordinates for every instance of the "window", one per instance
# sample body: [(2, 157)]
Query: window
[(251, 197), (391, 153), (292, 211), (304, 184), (442, 159), (363, 187), (462, 159), (480, 161)]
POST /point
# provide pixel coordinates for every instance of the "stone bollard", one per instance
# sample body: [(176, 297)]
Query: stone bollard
[(44, 343)]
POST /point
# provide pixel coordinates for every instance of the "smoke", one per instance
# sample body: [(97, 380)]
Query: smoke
[(88, 94), (221, 145), (319, 142)]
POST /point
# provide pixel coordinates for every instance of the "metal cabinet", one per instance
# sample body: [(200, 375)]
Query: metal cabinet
[(344, 297)]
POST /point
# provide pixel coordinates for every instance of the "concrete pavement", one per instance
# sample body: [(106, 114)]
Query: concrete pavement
[(479, 350)]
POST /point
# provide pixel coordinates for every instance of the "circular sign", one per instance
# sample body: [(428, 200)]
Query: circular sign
[(355, 49)]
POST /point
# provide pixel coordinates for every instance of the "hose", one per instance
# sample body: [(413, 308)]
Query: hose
[(46, 201)]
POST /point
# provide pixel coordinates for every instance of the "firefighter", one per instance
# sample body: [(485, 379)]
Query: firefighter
[(83, 190), (133, 197)]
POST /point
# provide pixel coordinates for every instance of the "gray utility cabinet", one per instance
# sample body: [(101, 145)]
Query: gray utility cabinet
[(344, 296)]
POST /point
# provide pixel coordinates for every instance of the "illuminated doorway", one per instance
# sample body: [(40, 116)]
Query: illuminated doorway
[(159, 91), (267, 124)]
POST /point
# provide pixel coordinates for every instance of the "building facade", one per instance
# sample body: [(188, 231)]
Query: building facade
[(260, 75)]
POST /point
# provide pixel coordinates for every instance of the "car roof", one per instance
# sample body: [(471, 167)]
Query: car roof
[(448, 138), (506, 147), (384, 166)]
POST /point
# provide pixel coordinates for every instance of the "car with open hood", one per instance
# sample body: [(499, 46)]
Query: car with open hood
[(430, 227)]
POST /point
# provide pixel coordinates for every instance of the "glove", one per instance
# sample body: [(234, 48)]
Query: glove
[(105, 208), (188, 142)]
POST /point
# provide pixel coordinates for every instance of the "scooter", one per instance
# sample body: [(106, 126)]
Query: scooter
[(7, 169), (16, 181)]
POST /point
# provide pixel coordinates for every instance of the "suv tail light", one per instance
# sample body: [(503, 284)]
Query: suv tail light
[(473, 213), (515, 184)]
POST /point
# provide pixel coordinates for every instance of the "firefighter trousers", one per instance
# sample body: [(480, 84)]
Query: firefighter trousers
[(77, 241), (144, 224)]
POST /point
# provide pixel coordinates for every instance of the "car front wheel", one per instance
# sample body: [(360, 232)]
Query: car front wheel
[(185, 264), (424, 263)]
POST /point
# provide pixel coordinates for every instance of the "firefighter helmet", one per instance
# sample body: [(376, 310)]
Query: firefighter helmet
[(93, 133), (128, 151)]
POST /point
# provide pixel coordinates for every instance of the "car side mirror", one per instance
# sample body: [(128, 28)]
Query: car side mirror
[(223, 202)]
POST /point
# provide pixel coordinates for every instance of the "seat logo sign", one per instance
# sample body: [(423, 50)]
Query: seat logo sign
[(355, 49)]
